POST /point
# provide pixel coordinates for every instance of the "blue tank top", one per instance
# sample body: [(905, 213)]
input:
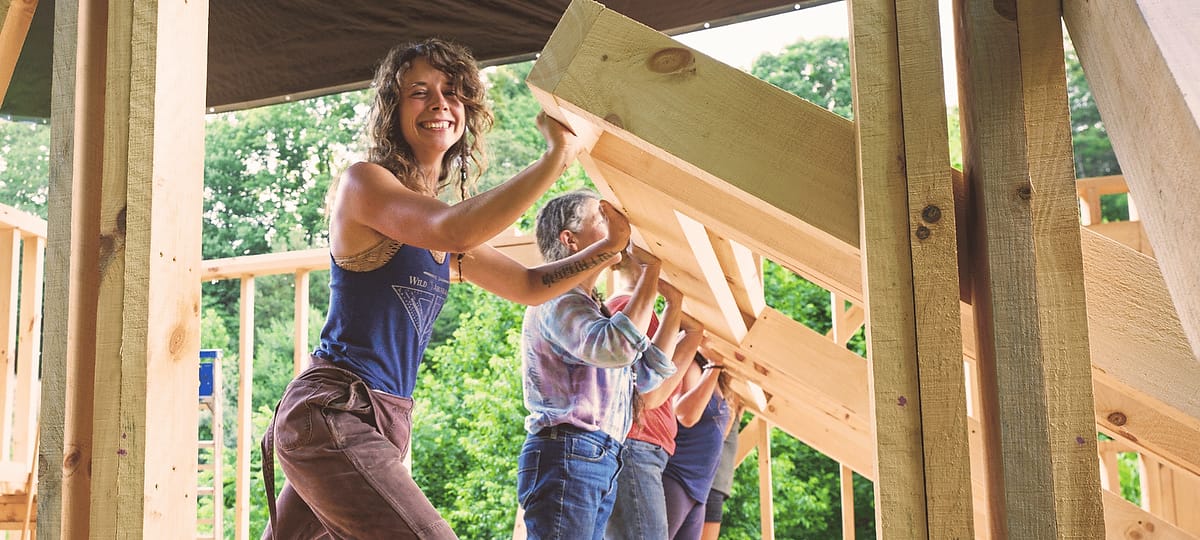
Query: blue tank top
[(380, 321), (698, 450)]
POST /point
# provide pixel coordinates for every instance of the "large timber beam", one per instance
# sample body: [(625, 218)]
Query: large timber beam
[(1030, 310), (147, 295), (909, 249), (643, 87), (1141, 62)]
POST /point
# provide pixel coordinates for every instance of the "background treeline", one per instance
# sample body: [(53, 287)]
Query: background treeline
[(267, 172)]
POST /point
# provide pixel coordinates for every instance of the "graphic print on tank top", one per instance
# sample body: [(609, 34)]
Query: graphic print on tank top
[(422, 298)]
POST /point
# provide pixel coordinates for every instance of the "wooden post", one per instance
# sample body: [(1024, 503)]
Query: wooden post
[(10, 271), (847, 481), (28, 388), (1150, 110), (149, 262), (14, 26), (911, 272), (72, 260), (765, 497), (245, 413), (300, 325), (1030, 312)]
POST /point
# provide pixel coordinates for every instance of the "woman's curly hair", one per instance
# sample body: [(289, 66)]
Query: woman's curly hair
[(385, 141)]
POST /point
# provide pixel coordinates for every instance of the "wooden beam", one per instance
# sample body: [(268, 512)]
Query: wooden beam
[(604, 70), (748, 439), (689, 261), (10, 271), (1153, 427), (743, 272), (846, 478), (513, 243), (649, 85), (300, 352), (1154, 124), (28, 383), (72, 263), (148, 315), (1123, 519), (1135, 337), (1129, 233), (245, 411), (766, 502), (1061, 303), (1030, 312), (14, 26), (911, 272), (841, 440)]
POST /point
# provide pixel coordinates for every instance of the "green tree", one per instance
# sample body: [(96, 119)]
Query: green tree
[(25, 166), (816, 70)]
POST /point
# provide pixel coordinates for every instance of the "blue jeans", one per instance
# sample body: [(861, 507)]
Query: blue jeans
[(566, 482), (640, 511)]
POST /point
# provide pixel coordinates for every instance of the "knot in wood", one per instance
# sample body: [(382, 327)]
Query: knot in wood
[(923, 232), (931, 214), (670, 60), (1117, 418), (1025, 193)]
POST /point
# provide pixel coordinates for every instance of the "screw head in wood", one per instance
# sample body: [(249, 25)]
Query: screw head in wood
[(931, 214), (923, 232)]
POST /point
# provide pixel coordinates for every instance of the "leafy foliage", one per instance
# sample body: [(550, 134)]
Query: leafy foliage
[(25, 166)]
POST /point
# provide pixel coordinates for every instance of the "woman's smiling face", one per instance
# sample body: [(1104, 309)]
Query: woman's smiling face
[(432, 118)]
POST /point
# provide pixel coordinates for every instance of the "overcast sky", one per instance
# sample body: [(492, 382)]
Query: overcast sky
[(739, 44)]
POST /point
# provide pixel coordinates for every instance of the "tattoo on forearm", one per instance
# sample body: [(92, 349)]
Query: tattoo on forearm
[(576, 267)]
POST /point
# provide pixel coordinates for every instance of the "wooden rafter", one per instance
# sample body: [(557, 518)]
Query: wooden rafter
[(1140, 58)]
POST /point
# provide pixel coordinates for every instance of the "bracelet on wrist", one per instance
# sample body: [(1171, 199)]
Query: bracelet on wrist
[(712, 366)]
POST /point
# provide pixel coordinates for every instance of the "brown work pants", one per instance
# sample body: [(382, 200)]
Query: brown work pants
[(342, 447)]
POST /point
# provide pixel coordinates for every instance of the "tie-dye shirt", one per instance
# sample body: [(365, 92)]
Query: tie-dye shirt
[(579, 366)]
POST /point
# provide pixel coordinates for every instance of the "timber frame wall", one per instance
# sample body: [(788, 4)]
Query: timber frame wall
[(980, 291)]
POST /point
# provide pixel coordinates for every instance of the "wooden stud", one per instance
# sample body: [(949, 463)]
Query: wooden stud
[(72, 260), (1061, 301), (10, 270), (765, 497), (245, 412), (1154, 124), (28, 387), (748, 439), (910, 265), (1030, 312), (847, 485), (300, 354), (149, 294)]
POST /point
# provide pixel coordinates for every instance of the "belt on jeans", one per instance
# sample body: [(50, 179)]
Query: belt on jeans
[(553, 431)]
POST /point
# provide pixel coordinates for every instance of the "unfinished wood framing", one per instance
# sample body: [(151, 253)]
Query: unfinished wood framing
[(634, 94), (1029, 308), (245, 410), (911, 272), (147, 327), (1154, 123), (300, 350), (766, 504), (69, 349)]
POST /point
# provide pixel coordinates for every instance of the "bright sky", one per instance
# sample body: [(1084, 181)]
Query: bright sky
[(739, 44)]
